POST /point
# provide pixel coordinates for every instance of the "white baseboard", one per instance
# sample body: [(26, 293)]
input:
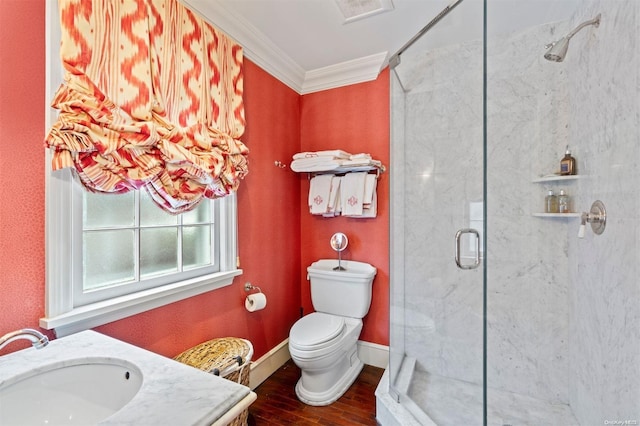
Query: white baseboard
[(269, 363), (373, 354)]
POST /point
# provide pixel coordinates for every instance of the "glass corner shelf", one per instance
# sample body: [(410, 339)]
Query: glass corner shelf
[(562, 215), (556, 178)]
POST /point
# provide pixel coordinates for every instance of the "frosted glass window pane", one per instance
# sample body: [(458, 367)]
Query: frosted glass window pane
[(196, 246), (108, 258), (150, 214), (201, 214), (107, 210), (158, 251)]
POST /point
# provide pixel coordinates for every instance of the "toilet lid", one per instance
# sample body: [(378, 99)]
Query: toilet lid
[(316, 331)]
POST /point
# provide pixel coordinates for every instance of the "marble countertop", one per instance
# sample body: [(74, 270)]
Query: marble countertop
[(171, 393)]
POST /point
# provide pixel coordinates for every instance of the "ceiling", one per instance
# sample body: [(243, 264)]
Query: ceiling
[(310, 46)]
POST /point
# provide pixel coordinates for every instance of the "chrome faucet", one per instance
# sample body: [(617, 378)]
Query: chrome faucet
[(37, 339)]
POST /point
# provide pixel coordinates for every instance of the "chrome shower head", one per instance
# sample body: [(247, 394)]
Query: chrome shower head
[(557, 50)]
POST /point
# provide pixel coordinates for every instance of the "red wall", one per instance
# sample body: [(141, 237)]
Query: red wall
[(355, 119), (268, 199), (21, 164), (273, 248)]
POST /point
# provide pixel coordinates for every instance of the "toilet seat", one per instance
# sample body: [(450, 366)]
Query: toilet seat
[(316, 331)]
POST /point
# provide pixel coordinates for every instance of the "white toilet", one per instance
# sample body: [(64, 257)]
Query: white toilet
[(323, 343)]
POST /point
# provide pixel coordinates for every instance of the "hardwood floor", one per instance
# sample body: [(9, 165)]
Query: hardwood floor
[(277, 403)]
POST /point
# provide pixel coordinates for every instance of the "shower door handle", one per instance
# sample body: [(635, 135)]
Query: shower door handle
[(476, 261)]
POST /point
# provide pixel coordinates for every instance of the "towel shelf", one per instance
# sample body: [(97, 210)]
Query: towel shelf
[(340, 184), (344, 170)]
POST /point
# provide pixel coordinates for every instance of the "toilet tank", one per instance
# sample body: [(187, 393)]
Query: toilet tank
[(346, 293)]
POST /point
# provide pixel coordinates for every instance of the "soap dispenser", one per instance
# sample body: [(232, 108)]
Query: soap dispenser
[(568, 164)]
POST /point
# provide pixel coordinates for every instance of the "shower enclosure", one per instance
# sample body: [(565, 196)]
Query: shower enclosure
[(500, 314)]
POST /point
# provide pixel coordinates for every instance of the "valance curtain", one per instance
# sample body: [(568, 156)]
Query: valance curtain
[(152, 99)]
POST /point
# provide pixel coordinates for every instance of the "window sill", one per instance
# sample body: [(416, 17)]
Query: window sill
[(95, 314)]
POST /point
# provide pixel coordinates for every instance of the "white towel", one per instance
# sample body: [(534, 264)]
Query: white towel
[(315, 164), (335, 153), (319, 193), (352, 193), (333, 208), (372, 210), (370, 185), (370, 198), (360, 156), (359, 162)]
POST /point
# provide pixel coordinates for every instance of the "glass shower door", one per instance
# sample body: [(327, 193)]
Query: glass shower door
[(437, 172)]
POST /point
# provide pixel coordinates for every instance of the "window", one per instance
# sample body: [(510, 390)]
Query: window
[(113, 256), (129, 245)]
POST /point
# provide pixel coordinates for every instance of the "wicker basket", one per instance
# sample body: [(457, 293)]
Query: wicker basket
[(227, 357)]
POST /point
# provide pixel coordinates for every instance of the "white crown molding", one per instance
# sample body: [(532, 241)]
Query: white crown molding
[(350, 72), (268, 56)]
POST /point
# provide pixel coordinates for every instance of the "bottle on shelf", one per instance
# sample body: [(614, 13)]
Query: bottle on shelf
[(568, 164), (564, 202), (551, 202)]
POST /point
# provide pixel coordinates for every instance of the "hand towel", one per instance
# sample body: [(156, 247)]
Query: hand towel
[(319, 192), (371, 211), (333, 207), (352, 193), (370, 198), (370, 185)]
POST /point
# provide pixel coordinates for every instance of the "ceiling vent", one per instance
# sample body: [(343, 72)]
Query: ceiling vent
[(353, 10)]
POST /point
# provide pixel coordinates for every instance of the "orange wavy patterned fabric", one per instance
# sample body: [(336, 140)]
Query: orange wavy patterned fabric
[(152, 99)]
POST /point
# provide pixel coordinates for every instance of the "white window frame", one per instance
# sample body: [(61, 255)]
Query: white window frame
[(61, 233)]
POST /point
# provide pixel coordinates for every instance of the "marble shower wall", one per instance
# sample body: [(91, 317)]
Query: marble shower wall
[(527, 272), (603, 73)]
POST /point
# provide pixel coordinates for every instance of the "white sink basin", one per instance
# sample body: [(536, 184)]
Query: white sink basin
[(76, 392), (81, 379)]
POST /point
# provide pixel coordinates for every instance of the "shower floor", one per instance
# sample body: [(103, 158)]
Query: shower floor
[(454, 402)]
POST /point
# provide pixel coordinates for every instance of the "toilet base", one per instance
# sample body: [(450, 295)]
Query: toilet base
[(330, 395)]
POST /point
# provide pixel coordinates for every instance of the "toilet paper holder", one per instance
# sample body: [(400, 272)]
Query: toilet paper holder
[(250, 287)]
